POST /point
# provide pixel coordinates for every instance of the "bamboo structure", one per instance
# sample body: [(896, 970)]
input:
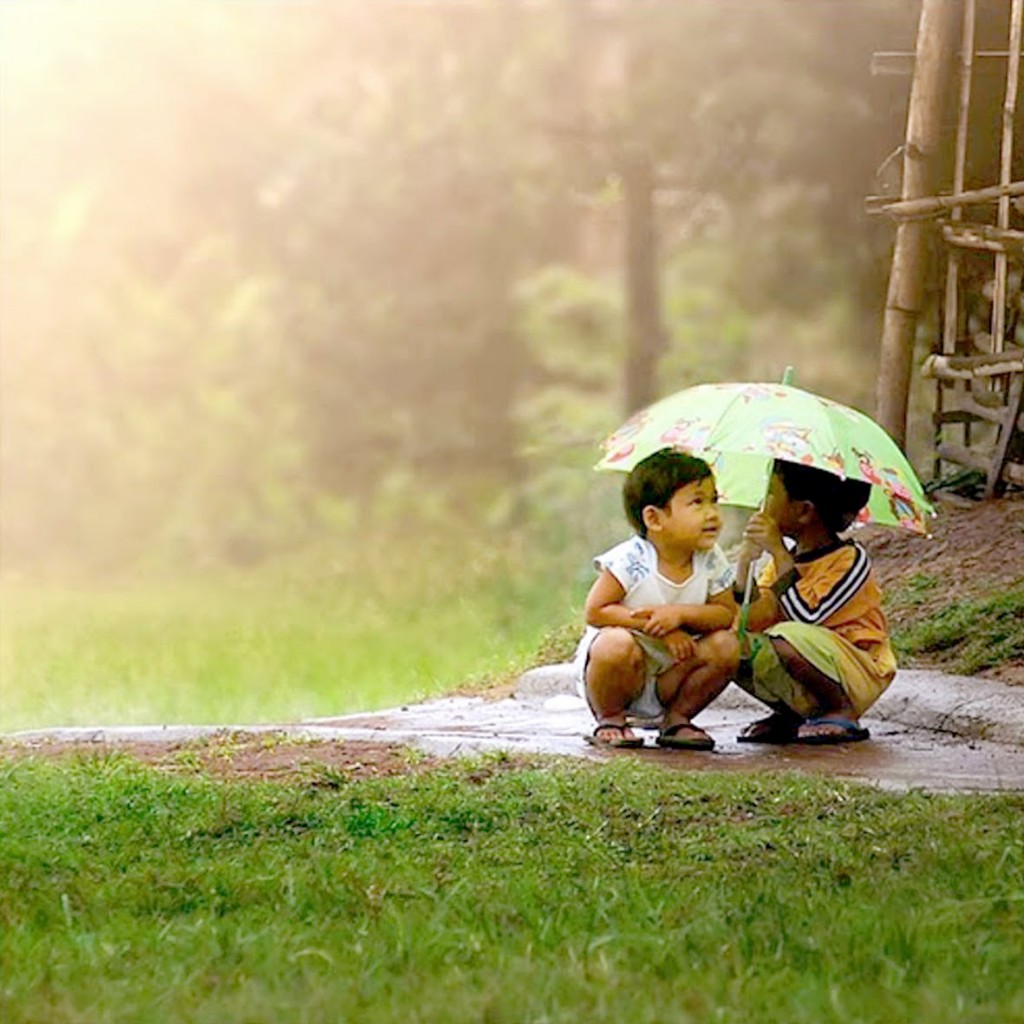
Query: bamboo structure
[(1013, 385), (935, 40), (979, 374), (929, 206), (1005, 165)]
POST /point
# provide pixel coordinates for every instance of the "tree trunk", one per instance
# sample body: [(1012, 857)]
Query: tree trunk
[(645, 338), (936, 37)]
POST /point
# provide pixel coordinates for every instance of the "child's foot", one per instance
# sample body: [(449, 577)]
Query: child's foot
[(829, 729), (776, 729), (684, 736), (612, 734)]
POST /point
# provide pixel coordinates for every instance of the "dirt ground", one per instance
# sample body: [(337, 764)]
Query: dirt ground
[(247, 756), (975, 548), (979, 545)]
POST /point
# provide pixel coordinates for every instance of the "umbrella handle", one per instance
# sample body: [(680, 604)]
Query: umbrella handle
[(741, 629), (741, 625), (748, 589)]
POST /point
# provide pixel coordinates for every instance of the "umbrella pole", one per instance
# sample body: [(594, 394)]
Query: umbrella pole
[(748, 587)]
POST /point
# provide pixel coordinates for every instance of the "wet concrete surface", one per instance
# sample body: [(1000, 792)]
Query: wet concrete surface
[(896, 757), (932, 732)]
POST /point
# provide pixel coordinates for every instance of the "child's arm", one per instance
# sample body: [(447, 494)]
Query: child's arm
[(604, 606), (762, 534), (764, 611), (717, 613)]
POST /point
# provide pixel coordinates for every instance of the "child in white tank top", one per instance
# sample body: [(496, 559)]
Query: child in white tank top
[(656, 596)]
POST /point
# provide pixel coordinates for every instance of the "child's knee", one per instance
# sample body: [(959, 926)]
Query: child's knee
[(720, 649), (615, 647)]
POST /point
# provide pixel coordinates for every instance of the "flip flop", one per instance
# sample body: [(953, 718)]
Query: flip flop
[(845, 731), (697, 740), (621, 742), (775, 729)]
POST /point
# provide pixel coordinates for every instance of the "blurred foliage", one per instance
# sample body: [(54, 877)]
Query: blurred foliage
[(353, 623), (271, 271)]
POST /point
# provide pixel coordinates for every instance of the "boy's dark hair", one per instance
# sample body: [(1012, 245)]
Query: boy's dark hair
[(836, 501), (655, 479)]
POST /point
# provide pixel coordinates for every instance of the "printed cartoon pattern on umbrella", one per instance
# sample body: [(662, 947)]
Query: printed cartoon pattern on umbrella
[(740, 428)]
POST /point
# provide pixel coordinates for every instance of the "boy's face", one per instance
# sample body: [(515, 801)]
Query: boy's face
[(780, 507), (691, 519)]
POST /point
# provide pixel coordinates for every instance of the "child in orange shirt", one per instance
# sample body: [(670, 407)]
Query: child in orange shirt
[(818, 654)]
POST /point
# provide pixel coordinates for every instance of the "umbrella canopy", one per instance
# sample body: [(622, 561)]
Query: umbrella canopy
[(740, 428)]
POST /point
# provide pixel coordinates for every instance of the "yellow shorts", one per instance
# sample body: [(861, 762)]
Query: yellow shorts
[(853, 669)]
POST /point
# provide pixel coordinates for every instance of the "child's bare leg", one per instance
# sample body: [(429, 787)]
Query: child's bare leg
[(688, 688), (831, 697), (615, 676)]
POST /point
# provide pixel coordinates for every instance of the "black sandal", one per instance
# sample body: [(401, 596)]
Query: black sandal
[(775, 729), (698, 739), (622, 742)]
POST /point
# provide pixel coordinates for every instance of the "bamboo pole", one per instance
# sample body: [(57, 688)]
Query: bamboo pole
[(1014, 391), (936, 35), (951, 324), (901, 62), (984, 237), (985, 364), (1006, 162), (931, 206), (951, 306)]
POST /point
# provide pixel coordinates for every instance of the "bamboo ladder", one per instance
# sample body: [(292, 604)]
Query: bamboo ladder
[(986, 386)]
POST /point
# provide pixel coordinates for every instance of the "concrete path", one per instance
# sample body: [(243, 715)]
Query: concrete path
[(964, 706), (929, 731)]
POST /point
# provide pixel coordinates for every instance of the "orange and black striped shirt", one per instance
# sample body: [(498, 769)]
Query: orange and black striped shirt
[(834, 587)]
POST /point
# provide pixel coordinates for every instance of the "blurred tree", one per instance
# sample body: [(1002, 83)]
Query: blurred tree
[(144, 404), (256, 255), (759, 106), (402, 230)]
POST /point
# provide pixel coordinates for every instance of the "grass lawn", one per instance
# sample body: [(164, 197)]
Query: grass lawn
[(496, 891), (966, 635), (363, 626), (271, 646)]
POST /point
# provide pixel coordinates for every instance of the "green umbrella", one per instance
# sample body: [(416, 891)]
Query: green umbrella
[(740, 428)]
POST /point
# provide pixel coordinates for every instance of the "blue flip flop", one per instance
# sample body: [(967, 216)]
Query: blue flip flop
[(848, 731)]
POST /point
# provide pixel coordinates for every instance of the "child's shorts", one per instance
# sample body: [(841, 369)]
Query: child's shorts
[(862, 678), (657, 660)]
